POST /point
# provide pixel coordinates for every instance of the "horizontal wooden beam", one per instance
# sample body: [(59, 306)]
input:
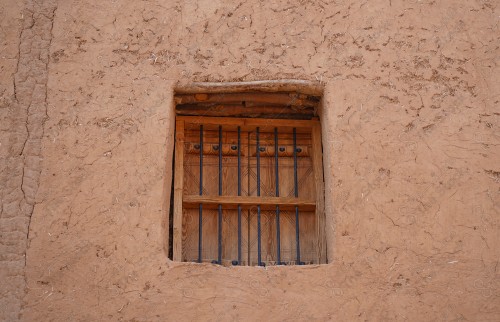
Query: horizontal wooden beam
[(281, 85), (246, 202), (250, 99), (281, 112), (249, 123), (249, 108)]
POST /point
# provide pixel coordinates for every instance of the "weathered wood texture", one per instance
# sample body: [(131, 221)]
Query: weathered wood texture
[(283, 105), (232, 202), (303, 86), (178, 191)]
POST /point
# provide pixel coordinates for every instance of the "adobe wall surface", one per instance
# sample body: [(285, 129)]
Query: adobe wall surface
[(411, 137), (25, 34)]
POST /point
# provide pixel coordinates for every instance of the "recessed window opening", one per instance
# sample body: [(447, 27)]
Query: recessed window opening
[(248, 179)]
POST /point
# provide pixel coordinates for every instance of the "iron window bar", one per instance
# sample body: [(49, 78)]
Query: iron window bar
[(239, 194), (200, 214), (277, 186), (296, 190), (259, 255), (219, 223)]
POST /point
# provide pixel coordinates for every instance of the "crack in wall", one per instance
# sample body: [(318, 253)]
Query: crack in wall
[(23, 162)]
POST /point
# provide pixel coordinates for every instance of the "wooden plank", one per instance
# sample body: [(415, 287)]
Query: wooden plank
[(245, 191), (178, 190), (317, 160), (308, 236), (191, 137), (249, 124), (209, 109), (248, 99), (266, 128), (231, 202), (281, 85), (230, 188), (287, 218), (217, 110), (268, 190)]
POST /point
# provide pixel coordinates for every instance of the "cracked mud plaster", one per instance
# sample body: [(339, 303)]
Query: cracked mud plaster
[(411, 136), (27, 31)]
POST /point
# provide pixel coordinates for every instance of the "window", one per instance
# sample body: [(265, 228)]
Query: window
[(248, 190)]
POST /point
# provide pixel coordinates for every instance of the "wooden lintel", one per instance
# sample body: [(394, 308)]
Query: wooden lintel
[(281, 85)]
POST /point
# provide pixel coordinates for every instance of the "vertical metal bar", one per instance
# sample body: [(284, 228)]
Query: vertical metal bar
[(277, 181), (200, 215), (219, 224), (259, 262), (239, 194), (296, 188)]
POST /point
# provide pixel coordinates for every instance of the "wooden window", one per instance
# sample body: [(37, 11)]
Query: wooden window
[(240, 183)]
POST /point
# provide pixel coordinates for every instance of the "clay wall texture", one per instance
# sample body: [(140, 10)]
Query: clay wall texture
[(411, 128)]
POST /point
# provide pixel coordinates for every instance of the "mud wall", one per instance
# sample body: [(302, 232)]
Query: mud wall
[(25, 40), (411, 128)]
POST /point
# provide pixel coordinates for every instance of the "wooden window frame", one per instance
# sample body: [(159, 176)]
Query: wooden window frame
[(181, 200)]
